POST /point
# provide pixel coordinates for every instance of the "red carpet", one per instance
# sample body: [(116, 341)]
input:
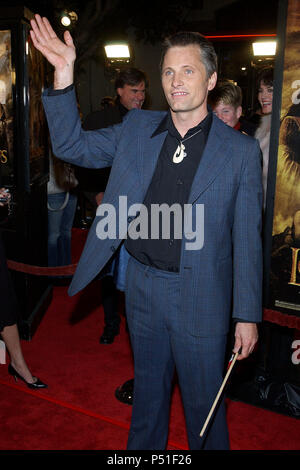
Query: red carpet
[(79, 410)]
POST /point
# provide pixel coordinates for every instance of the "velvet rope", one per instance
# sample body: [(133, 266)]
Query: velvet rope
[(41, 270), (282, 319), (273, 316)]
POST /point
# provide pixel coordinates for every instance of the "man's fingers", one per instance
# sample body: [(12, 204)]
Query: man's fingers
[(242, 349), (237, 345), (243, 354), (49, 28), (45, 40), (68, 38), (38, 45), (34, 39), (43, 31), (245, 338), (36, 29), (246, 348)]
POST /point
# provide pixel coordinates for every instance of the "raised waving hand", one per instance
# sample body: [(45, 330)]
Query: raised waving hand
[(61, 54)]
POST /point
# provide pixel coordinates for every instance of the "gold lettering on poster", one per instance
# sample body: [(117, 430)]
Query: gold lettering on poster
[(295, 267), (3, 156)]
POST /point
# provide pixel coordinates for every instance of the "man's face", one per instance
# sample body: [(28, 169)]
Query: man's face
[(132, 96), (184, 80), (228, 113)]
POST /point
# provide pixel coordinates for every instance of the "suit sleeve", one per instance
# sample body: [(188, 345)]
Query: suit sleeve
[(90, 149), (247, 241)]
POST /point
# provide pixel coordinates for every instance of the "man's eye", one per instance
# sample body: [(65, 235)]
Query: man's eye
[(188, 71), (168, 73)]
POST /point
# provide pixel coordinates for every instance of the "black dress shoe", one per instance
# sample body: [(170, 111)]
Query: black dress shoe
[(109, 334), (124, 393)]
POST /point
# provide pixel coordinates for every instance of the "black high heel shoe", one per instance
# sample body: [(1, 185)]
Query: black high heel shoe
[(37, 384)]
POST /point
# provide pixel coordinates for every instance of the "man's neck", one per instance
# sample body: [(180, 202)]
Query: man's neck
[(183, 121)]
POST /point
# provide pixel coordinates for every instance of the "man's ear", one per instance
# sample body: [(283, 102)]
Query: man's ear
[(119, 91), (212, 81)]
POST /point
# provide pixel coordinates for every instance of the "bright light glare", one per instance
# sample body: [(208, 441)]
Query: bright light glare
[(264, 48), (65, 21), (114, 51)]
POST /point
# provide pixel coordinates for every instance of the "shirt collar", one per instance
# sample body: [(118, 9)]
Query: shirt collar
[(122, 109), (167, 125)]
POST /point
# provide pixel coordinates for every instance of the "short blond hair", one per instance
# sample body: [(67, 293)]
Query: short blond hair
[(227, 92)]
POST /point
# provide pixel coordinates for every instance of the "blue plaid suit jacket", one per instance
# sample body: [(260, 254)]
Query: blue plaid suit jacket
[(222, 279)]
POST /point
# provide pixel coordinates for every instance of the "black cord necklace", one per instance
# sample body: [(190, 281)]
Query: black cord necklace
[(180, 153)]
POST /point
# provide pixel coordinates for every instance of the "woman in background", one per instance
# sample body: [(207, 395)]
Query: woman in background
[(8, 319), (265, 98)]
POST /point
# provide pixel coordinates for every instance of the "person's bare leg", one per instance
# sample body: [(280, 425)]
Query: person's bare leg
[(10, 336)]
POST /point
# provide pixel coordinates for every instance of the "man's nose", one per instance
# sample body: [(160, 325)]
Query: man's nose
[(177, 80)]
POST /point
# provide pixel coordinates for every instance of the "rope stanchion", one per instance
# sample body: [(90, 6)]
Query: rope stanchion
[(42, 270)]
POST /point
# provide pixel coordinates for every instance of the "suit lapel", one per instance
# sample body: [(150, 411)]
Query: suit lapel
[(149, 150), (215, 156)]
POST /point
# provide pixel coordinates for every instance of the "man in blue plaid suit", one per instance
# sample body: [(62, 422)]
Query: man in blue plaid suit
[(181, 291)]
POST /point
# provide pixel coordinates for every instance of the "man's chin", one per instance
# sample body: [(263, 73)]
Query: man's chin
[(179, 109)]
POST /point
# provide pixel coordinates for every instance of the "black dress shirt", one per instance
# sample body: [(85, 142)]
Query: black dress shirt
[(171, 184)]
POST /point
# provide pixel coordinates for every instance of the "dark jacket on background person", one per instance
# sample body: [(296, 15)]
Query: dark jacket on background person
[(95, 180)]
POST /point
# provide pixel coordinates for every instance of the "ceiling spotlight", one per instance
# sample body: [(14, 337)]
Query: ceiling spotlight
[(117, 55), (117, 51), (68, 17), (264, 48), (65, 20)]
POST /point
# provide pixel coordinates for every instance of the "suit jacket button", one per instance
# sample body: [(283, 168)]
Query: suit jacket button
[(112, 248)]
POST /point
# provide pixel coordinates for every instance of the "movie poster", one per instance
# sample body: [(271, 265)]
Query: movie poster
[(6, 106), (285, 254), (37, 122)]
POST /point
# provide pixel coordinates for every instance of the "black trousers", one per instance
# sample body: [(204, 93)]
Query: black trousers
[(110, 302)]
